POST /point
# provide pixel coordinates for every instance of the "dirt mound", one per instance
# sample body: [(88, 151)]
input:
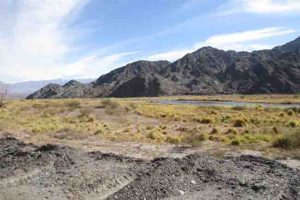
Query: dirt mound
[(58, 172)]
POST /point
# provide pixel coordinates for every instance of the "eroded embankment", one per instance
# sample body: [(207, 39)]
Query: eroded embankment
[(57, 172)]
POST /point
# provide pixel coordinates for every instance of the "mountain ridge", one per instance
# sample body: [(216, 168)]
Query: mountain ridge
[(206, 71)]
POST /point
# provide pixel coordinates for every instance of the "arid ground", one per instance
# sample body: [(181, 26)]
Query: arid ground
[(149, 129), (113, 149)]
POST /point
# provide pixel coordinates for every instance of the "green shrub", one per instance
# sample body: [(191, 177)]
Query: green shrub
[(293, 124)]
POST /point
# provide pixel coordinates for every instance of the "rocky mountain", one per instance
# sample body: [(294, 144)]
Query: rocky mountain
[(23, 89), (205, 71), (135, 79)]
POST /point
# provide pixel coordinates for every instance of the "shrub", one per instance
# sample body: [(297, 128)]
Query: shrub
[(282, 114), (239, 123), (232, 131), (204, 120), (235, 142), (288, 141), (295, 109), (214, 131), (282, 142), (72, 104), (194, 138), (149, 127), (173, 139), (239, 108), (182, 129), (163, 115), (40, 106), (127, 129), (293, 124), (110, 111), (213, 112), (162, 127), (85, 112), (290, 112), (107, 103), (275, 129), (99, 132), (255, 138), (156, 135), (132, 106), (49, 112), (91, 119)]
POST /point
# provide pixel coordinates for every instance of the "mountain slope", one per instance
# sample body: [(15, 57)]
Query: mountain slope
[(210, 70), (205, 71), (111, 84)]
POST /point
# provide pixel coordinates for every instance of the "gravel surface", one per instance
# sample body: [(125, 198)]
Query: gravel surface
[(59, 172)]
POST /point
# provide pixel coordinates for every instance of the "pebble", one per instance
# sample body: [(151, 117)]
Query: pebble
[(181, 192)]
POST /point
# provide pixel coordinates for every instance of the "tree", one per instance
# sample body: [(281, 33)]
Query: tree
[(3, 95)]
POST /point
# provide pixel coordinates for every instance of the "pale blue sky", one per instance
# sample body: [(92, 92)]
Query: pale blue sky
[(48, 39)]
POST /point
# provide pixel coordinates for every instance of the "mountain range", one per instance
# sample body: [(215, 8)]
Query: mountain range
[(205, 71), (23, 89)]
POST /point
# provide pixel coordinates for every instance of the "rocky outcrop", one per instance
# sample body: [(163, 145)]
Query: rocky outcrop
[(206, 71)]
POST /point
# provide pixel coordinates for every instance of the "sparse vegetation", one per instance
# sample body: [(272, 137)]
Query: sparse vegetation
[(146, 121)]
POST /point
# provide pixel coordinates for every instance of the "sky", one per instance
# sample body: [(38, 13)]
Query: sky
[(77, 39)]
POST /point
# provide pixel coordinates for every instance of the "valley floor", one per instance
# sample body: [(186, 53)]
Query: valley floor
[(146, 128), (138, 130)]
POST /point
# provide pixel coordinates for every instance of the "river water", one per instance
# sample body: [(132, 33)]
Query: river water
[(228, 103)]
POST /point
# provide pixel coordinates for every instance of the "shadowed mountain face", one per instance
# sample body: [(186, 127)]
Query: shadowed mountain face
[(206, 71)]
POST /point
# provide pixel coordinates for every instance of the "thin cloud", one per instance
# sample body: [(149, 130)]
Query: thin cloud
[(262, 7), (34, 42), (240, 41), (93, 66)]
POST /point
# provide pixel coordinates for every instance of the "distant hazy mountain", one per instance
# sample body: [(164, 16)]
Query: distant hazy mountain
[(23, 89), (206, 71)]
